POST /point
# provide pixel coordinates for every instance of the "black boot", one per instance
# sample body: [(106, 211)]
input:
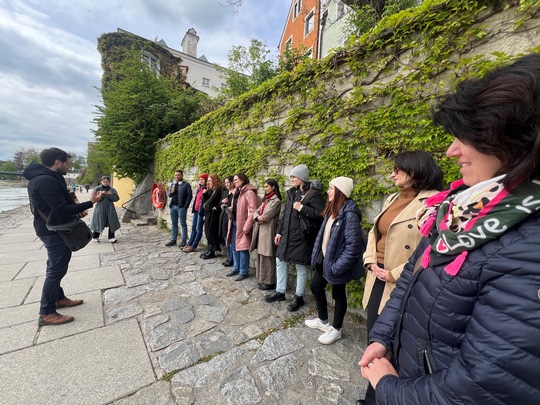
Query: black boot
[(295, 304), (204, 253), (275, 296)]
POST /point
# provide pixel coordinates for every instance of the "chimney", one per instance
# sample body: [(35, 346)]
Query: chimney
[(189, 43)]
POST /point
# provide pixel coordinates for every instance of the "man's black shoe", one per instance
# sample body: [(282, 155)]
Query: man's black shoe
[(241, 277), (182, 244), (263, 286), (275, 296), (228, 263), (209, 255), (170, 243), (295, 304), (232, 273), (204, 253)]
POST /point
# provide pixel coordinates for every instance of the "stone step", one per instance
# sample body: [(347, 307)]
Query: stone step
[(144, 220)]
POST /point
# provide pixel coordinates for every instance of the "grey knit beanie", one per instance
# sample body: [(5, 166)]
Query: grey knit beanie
[(302, 172)]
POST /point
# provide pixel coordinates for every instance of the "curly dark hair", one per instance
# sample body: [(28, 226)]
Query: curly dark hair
[(499, 115)]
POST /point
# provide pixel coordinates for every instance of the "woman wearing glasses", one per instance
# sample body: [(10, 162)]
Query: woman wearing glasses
[(395, 235)]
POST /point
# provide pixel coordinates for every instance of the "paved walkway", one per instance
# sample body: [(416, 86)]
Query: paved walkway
[(159, 326)]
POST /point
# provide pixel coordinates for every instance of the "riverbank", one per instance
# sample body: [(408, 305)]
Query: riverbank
[(13, 183)]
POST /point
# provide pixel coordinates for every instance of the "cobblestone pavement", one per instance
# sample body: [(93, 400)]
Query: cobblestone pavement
[(205, 339)]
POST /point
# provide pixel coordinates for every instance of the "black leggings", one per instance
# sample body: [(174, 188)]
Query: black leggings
[(372, 316), (95, 235), (318, 284)]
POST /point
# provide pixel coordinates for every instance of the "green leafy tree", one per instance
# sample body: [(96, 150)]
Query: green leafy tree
[(9, 167), (139, 108), (248, 69), (292, 57)]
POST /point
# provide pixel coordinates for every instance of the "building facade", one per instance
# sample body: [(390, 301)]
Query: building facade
[(301, 31)]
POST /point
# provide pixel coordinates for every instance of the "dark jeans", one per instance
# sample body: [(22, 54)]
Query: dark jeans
[(58, 257), (196, 230), (318, 284), (178, 214)]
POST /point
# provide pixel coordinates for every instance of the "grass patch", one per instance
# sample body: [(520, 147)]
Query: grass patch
[(169, 375), (292, 321), (264, 335)]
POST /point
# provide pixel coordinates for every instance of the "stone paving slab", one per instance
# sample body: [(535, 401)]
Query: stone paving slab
[(37, 268), (88, 316), (9, 271), (81, 281), (14, 292), (96, 367), (17, 248), (19, 314), (10, 258), (19, 237), (17, 337)]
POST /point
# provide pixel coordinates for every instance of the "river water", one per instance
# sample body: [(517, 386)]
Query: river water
[(12, 197)]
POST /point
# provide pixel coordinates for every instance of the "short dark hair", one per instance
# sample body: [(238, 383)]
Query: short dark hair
[(243, 178), (179, 171), (421, 167), (499, 115), (51, 155)]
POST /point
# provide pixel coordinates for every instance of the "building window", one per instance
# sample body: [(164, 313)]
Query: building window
[(309, 53), (152, 62), (288, 44), (205, 82), (297, 8), (309, 23)]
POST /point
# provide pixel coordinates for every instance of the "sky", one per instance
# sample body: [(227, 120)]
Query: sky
[(50, 68)]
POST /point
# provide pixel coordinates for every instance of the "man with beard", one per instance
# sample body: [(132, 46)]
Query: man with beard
[(49, 195)]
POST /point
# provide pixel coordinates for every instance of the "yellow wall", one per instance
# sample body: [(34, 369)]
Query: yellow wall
[(125, 188)]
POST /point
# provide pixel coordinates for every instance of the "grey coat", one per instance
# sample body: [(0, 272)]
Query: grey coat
[(264, 233), (105, 213)]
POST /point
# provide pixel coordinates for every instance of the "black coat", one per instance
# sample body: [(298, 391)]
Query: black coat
[(294, 246), (211, 203), (48, 192)]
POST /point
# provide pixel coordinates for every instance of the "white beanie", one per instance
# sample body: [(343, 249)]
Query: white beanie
[(343, 184), (302, 172)]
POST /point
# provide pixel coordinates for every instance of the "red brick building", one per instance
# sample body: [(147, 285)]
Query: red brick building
[(301, 30)]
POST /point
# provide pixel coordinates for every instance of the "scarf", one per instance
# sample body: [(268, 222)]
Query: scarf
[(465, 219), (266, 198)]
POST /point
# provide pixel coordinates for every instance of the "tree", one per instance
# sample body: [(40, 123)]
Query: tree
[(248, 69), (9, 167), (139, 108), (24, 156)]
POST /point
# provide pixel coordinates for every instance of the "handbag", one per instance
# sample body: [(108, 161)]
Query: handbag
[(75, 233)]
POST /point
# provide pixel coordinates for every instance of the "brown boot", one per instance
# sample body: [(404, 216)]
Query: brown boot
[(54, 319), (66, 302)]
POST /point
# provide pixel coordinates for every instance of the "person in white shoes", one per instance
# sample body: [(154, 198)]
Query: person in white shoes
[(336, 257), (105, 215)]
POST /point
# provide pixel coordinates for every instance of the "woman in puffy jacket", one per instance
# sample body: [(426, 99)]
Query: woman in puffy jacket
[(336, 257), (461, 326)]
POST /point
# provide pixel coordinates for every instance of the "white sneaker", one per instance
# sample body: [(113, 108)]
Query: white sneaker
[(317, 324), (95, 240), (330, 336), (112, 240)]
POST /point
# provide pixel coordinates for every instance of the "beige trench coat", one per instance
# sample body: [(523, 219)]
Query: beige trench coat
[(263, 234), (402, 239)]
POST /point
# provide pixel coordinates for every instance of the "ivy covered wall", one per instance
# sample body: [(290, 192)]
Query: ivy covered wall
[(347, 114)]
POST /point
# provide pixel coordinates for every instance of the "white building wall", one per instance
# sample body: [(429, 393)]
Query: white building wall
[(201, 75), (333, 32)]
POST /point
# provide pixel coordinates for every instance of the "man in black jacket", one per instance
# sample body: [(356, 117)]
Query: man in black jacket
[(49, 195), (180, 197)]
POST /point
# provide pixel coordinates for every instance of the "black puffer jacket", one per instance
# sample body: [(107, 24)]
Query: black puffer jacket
[(294, 247), (472, 338), (48, 192)]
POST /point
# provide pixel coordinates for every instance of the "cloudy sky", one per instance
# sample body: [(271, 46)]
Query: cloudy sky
[(50, 67)]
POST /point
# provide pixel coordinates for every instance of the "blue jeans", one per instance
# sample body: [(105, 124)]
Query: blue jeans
[(301, 277), (230, 252), (240, 257), (196, 230), (58, 257), (178, 213)]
